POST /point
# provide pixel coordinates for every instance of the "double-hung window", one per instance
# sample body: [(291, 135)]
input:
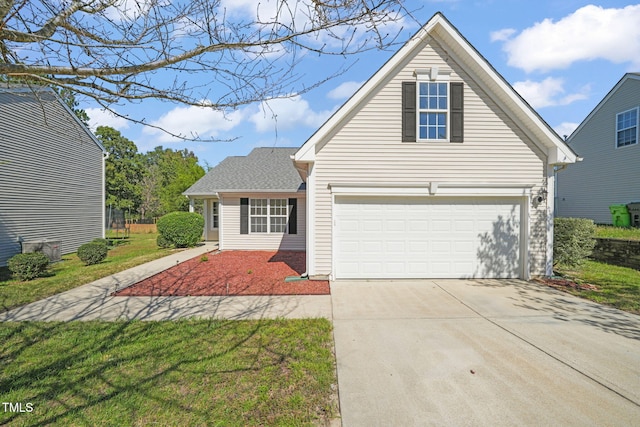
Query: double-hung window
[(268, 215), (433, 110), (627, 128)]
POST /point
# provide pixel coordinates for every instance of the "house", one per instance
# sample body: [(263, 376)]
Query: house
[(51, 173), (254, 202), (607, 139), (434, 168)]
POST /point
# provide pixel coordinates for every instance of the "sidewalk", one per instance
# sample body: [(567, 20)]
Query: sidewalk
[(95, 301)]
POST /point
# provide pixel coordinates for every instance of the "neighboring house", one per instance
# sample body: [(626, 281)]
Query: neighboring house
[(434, 168), (608, 141), (51, 173)]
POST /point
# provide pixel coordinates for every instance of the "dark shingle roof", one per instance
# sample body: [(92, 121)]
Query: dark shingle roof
[(264, 169)]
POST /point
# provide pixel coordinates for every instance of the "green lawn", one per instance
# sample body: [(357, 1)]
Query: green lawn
[(617, 286), (218, 373), (605, 231), (71, 272)]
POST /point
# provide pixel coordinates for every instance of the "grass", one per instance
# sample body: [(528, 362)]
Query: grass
[(218, 373), (617, 286), (71, 272), (609, 232)]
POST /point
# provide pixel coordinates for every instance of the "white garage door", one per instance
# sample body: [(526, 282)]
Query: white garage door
[(386, 237)]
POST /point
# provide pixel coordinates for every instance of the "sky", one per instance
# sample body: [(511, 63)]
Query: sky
[(562, 56)]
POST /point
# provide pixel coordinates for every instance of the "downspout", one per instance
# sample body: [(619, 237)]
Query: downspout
[(105, 156)]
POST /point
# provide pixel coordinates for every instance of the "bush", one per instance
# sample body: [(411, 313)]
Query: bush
[(573, 240), (162, 242), (92, 253), (181, 229), (104, 242), (28, 266)]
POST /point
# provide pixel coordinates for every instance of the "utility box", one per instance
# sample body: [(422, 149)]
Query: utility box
[(634, 213), (51, 248), (620, 216)]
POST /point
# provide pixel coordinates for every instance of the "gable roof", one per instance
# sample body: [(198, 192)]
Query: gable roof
[(263, 170), (485, 76), (41, 100), (627, 76)]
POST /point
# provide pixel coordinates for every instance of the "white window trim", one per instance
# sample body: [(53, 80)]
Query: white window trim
[(433, 75), (286, 230), (215, 213), (637, 110)]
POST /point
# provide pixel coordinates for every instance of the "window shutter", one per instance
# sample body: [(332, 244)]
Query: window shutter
[(457, 112), (293, 216), (244, 215), (409, 118)]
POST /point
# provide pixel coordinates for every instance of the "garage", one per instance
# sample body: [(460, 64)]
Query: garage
[(427, 237)]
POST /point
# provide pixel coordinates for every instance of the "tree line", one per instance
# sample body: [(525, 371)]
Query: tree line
[(146, 185)]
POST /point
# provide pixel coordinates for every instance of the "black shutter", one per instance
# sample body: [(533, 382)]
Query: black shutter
[(293, 216), (244, 215), (457, 112), (409, 117)]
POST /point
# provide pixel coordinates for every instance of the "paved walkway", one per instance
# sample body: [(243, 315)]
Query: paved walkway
[(95, 301)]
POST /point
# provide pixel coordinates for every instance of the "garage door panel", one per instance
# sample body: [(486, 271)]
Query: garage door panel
[(419, 238)]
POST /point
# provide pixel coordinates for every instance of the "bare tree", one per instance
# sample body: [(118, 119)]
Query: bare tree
[(196, 52)]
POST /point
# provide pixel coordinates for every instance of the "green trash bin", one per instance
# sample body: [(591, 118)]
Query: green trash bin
[(620, 216)]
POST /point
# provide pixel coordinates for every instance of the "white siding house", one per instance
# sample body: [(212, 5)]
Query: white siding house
[(254, 202), (434, 168), (607, 140), (51, 173)]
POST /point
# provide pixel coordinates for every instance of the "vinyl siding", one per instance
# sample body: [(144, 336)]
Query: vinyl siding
[(608, 175), (367, 148), (230, 228), (51, 184)]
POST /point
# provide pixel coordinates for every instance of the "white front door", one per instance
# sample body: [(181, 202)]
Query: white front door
[(438, 237), (213, 220)]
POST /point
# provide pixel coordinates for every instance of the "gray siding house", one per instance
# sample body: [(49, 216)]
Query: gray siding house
[(51, 173), (608, 141)]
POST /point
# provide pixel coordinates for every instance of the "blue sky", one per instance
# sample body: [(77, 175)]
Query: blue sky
[(562, 56)]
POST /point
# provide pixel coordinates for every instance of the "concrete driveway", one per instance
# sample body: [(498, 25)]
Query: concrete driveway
[(458, 353)]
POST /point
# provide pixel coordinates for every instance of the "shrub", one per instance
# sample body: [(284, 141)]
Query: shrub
[(28, 266), (573, 240), (101, 241), (181, 229), (92, 253), (162, 242)]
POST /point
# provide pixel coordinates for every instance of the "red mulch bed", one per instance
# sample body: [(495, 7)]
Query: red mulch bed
[(565, 284), (232, 273)]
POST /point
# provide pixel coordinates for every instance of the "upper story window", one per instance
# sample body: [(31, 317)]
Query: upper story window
[(433, 110), (432, 107), (627, 128)]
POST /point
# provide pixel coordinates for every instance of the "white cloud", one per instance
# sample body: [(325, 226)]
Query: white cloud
[(128, 9), (286, 113), (502, 35), (591, 32), (102, 117), (194, 122), (566, 128), (548, 92), (344, 90)]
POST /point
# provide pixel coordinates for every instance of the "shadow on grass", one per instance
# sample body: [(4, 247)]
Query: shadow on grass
[(191, 372)]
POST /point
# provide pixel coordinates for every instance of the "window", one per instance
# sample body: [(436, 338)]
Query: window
[(258, 214), (433, 108), (627, 128), (268, 215), (214, 215), (278, 215)]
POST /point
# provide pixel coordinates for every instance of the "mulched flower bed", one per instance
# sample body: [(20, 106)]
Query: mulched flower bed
[(563, 284), (232, 273)]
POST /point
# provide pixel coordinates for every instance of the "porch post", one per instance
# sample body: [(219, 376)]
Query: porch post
[(191, 208)]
